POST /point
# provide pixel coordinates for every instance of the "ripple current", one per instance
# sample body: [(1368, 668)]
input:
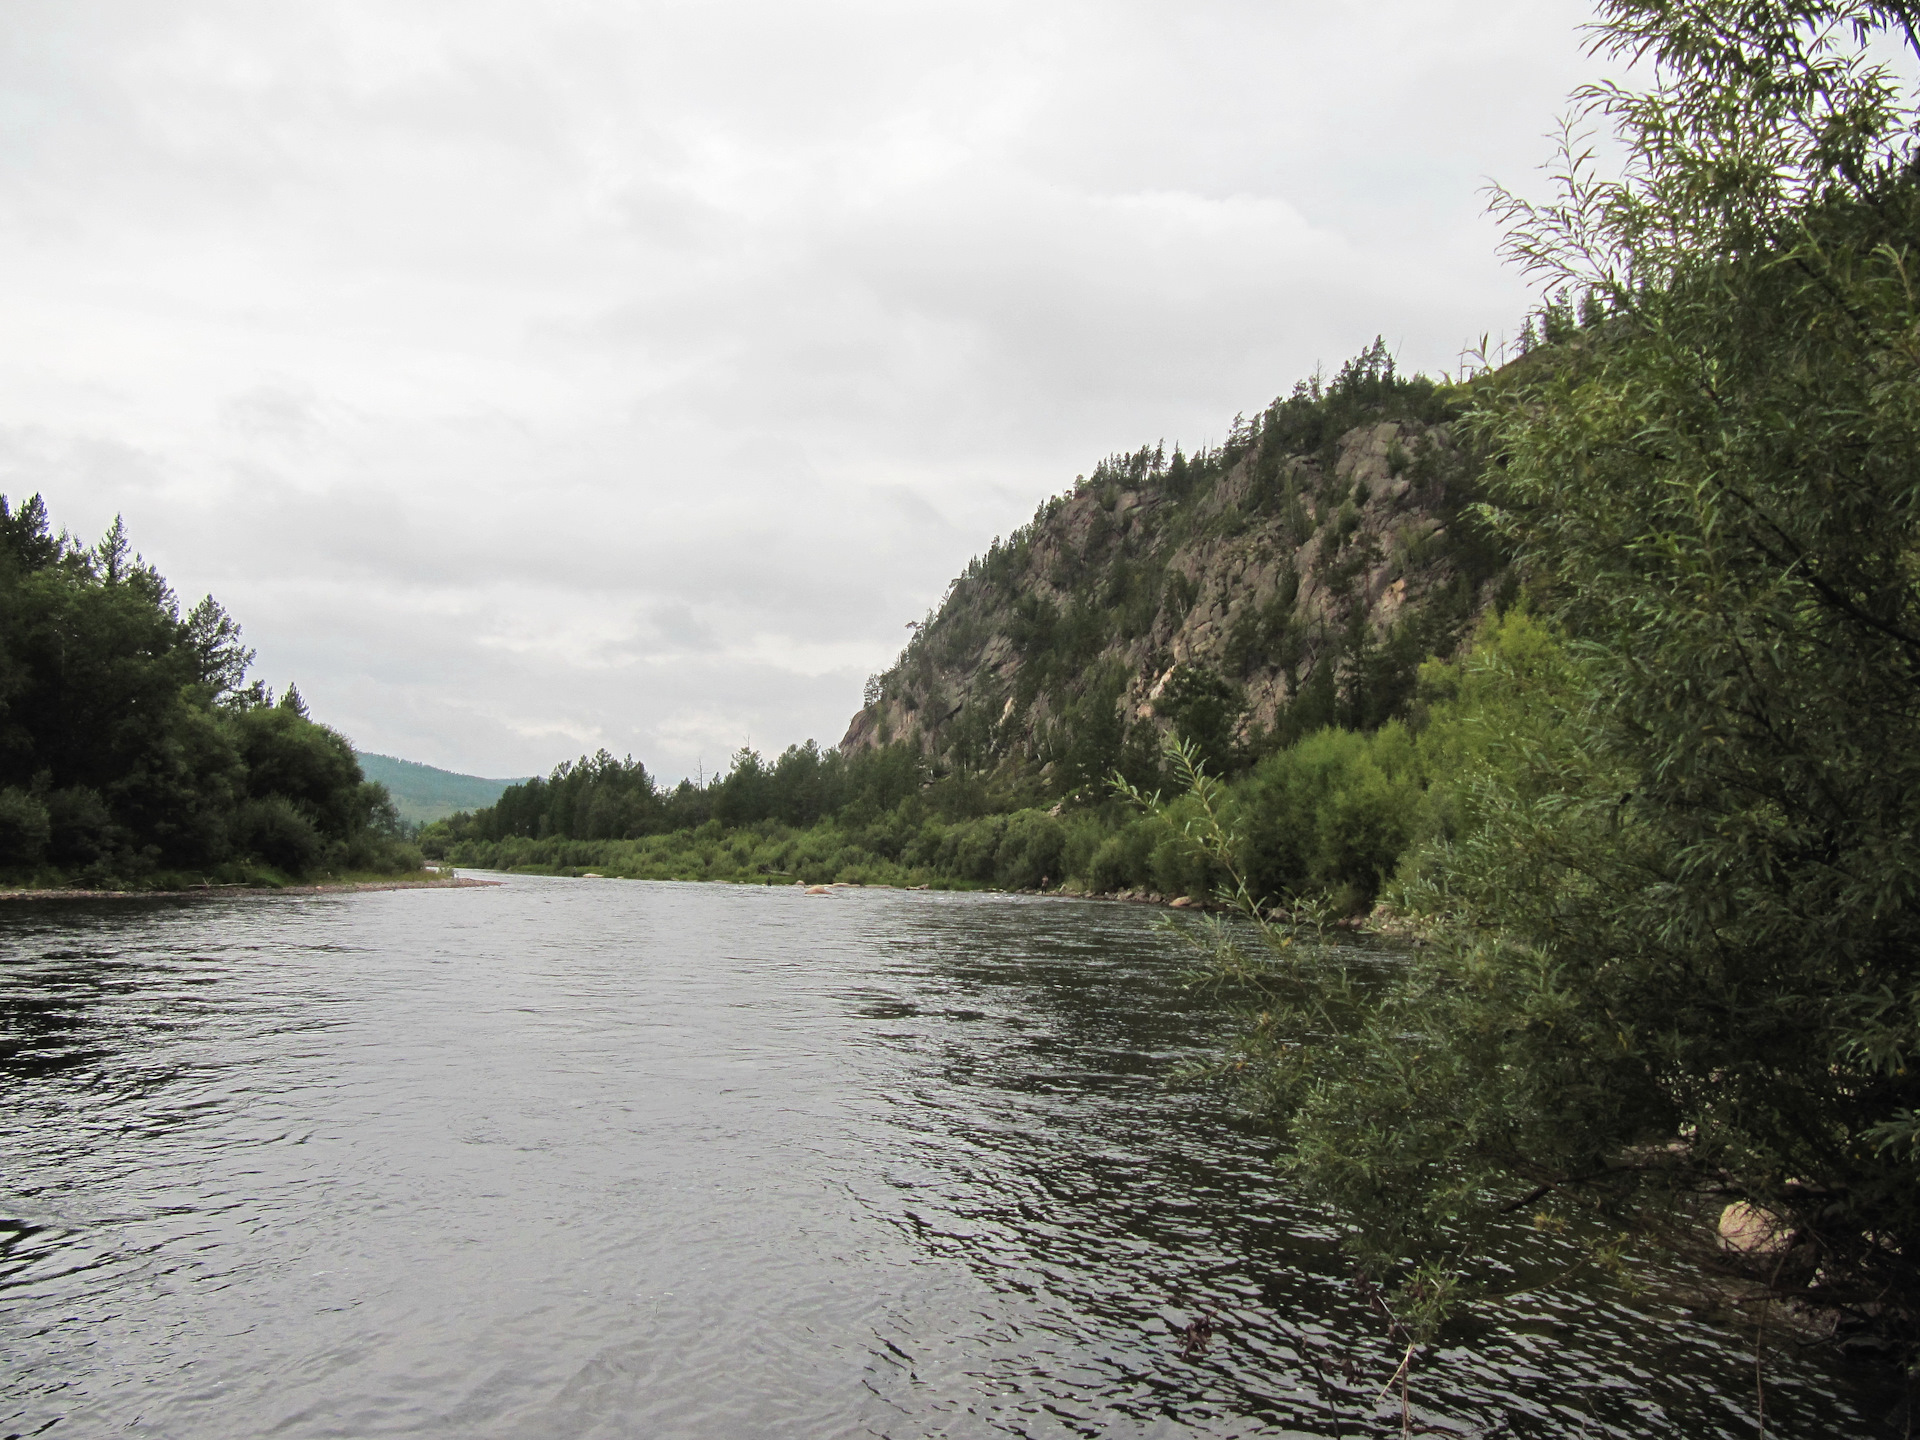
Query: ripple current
[(605, 1158)]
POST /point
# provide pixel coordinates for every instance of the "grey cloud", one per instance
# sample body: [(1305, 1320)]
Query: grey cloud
[(626, 373), (286, 413), (680, 629)]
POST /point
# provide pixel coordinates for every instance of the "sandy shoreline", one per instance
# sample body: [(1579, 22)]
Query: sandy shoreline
[(203, 892)]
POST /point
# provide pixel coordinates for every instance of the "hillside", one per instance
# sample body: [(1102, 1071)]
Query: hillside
[(422, 793), (1292, 579)]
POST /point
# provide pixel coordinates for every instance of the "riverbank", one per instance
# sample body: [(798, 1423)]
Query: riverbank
[(942, 882), (1380, 921), (424, 880), (1109, 851)]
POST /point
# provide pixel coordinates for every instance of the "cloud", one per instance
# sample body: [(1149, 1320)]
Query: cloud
[(530, 378)]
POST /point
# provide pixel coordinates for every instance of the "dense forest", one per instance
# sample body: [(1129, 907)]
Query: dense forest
[(1599, 667), (134, 752)]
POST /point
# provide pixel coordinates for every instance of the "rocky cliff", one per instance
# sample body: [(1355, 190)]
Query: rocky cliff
[(1293, 578)]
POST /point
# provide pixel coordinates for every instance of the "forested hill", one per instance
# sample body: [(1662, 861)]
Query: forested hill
[(422, 793), (1245, 596)]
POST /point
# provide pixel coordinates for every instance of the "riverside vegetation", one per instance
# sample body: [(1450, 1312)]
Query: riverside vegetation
[(1327, 818), (1602, 666), (1674, 927), (1600, 669), (134, 752)]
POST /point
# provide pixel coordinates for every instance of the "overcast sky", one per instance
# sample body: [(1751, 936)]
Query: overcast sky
[(533, 377)]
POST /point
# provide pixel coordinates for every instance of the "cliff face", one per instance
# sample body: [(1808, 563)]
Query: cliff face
[(1245, 596)]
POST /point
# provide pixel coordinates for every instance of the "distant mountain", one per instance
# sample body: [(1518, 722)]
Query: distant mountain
[(422, 793)]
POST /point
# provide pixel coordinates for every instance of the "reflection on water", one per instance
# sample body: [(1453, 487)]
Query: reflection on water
[(614, 1159)]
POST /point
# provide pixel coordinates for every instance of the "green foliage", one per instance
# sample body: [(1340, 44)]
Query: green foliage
[(131, 745), (1124, 859), (1327, 820), (1494, 723), (1086, 741), (273, 828), (289, 758), (1205, 711), (24, 828), (1331, 815), (1025, 849), (82, 831), (1671, 869), (1312, 419), (1030, 850), (601, 798)]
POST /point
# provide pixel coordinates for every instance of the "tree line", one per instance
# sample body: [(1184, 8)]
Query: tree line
[(1329, 818), (133, 748), (598, 797)]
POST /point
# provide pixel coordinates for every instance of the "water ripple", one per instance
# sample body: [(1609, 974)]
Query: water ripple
[(615, 1159)]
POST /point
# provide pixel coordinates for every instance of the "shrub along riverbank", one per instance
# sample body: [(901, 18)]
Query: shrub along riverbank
[(1675, 970), (1332, 816)]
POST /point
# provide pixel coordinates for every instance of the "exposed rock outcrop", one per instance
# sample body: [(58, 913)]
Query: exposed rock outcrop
[(1294, 589)]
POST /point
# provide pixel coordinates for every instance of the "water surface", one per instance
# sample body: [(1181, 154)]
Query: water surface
[(607, 1158)]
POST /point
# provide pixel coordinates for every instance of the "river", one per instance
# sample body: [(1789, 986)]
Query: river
[(606, 1158)]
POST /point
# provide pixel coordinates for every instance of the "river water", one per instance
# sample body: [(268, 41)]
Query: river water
[(606, 1158)]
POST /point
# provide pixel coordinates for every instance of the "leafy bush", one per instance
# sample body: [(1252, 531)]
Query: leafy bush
[(1030, 851), (82, 829), (1332, 814), (24, 828), (273, 828), (1124, 860), (974, 848)]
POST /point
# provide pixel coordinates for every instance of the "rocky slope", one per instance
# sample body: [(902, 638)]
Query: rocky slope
[(1294, 578)]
